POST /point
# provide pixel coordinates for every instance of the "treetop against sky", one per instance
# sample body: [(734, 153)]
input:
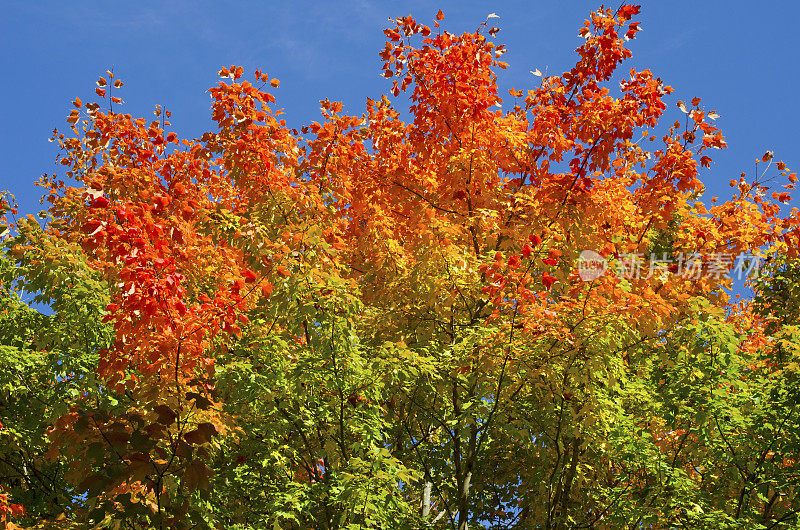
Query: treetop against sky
[(739, 59)]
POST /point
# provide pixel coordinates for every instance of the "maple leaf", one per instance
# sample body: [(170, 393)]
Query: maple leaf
[(526, 251)]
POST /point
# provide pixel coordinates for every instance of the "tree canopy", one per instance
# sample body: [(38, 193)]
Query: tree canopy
[(385, 322)]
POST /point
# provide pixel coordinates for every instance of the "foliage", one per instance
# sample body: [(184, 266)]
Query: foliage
[(379, 323)]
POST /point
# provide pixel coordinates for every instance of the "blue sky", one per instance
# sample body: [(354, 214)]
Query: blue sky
[(740, 57)]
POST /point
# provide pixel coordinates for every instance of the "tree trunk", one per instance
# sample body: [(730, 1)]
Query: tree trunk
[(426, 499), (562, 499), (463, 501)]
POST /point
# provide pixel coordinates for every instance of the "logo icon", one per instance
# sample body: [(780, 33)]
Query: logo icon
[(591, 265)]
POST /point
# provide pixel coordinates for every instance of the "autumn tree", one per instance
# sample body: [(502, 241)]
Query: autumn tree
[(378, 323)]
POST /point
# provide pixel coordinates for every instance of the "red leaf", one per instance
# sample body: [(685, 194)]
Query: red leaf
[(628, 11), (100, 202), (526, 251), (92, 226), (632, 29)]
